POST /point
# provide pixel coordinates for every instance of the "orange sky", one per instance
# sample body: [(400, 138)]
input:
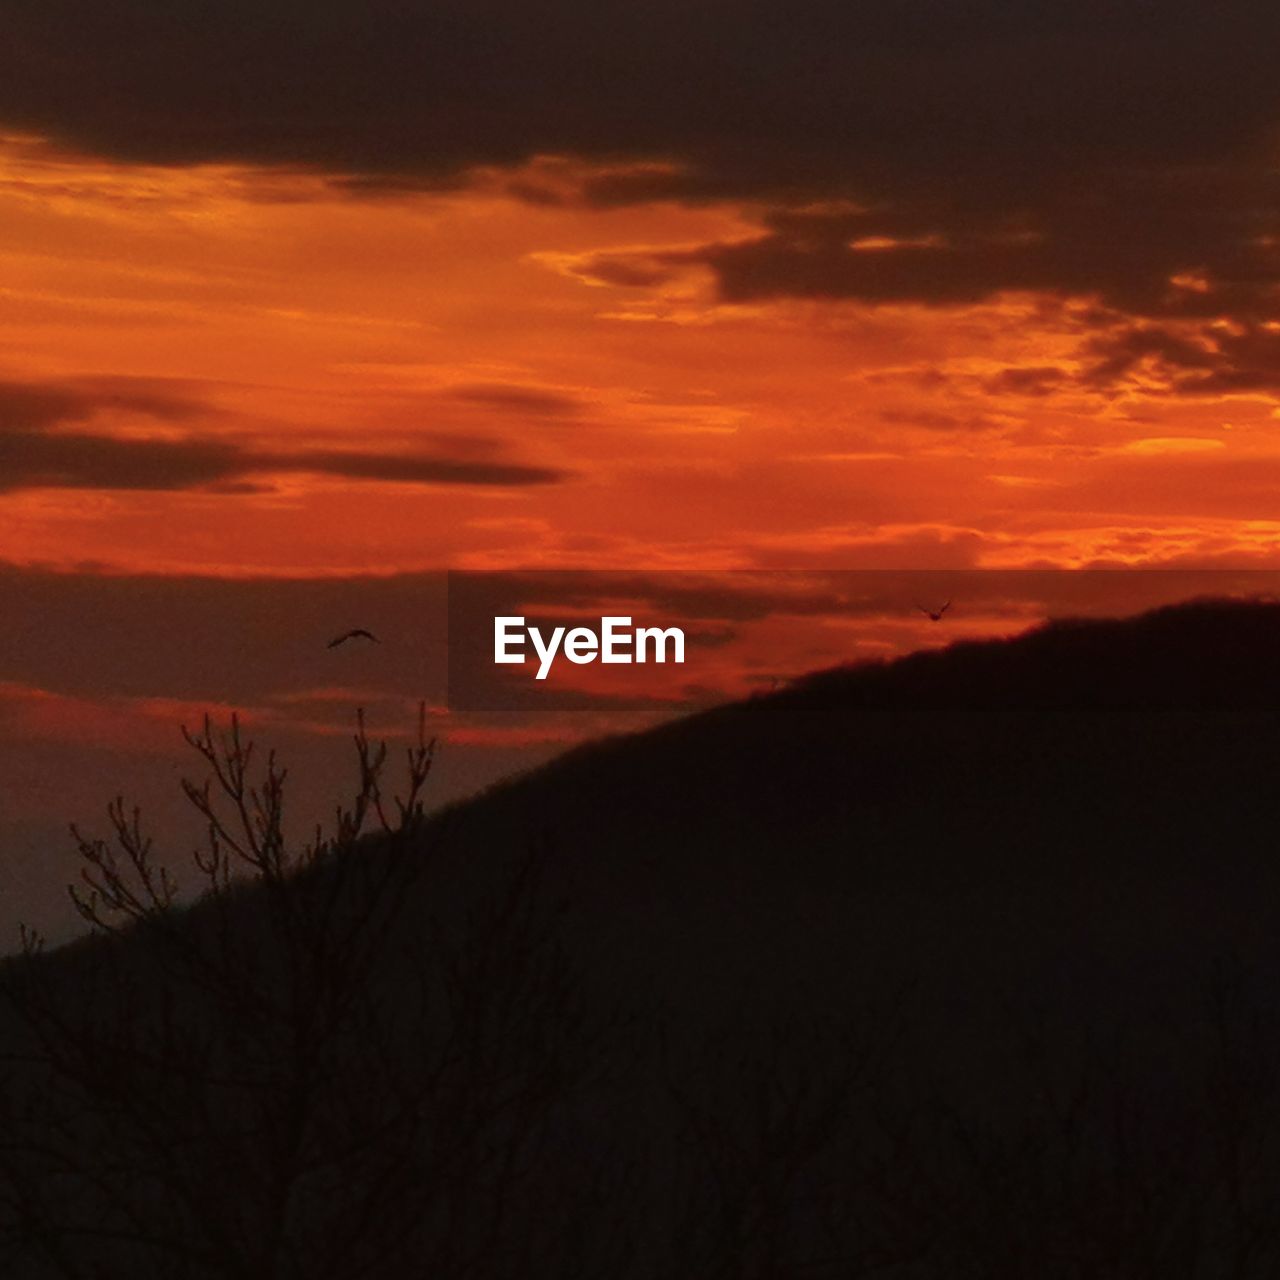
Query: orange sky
[(690, 432), (596, 402)]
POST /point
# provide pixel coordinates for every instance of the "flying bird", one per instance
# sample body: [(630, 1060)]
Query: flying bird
[(934, 615), (357, 633)]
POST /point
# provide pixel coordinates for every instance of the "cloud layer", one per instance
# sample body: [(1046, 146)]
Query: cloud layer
[(930, 151), (37, 450), (745, 96)]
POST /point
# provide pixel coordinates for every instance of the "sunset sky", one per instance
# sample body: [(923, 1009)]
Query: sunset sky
[(301, 304)]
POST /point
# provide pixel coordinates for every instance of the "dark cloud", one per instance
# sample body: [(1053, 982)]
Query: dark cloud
[(238, 488), (36, 407), (1182, 244), (600, 187), (403, 468), (742, 95), (1210, 360), (1100, 148), (75, 460), (37, 451), (1027, 380), (1169, 244), (33, 406), (1214, 359), (515, 398), (30, 460)]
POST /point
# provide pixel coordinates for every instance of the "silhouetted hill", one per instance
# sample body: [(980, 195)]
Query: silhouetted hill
[(1092, 794), (959, 965)]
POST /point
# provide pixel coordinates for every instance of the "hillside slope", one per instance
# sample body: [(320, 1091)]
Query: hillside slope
[(1089, 802), (959, 966)]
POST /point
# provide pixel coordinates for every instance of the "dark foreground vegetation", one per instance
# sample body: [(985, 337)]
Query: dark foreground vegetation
[(965, 966)]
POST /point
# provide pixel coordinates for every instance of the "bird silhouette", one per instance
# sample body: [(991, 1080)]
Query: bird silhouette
[(356, 633), (934, 615)]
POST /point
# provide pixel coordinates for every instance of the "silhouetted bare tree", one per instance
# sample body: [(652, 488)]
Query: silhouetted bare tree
[(289, 1078)]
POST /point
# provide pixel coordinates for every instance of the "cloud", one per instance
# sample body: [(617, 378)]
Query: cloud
[(1156, 244), (1026, 380), (1210, 360), (80, 461), (37, 451), (34, 406), (1207, 360), (75, 460), (403, 468), (730, 97), (516, 398), (1082, 148)]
